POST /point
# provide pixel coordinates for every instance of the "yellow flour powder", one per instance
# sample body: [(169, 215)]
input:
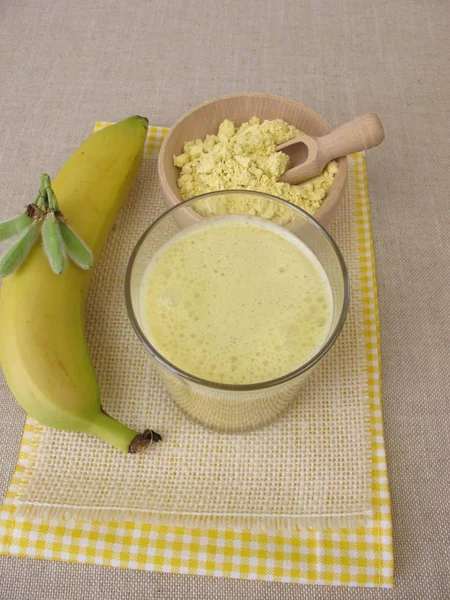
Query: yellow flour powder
[(245, 158)]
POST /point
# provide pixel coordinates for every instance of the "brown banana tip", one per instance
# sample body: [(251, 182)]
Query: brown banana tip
[(143, 441)]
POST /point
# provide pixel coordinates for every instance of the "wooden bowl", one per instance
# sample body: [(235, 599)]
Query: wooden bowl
[(206, 118)]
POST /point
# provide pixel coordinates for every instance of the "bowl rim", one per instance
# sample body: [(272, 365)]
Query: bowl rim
[(176, 199), (304, 368)]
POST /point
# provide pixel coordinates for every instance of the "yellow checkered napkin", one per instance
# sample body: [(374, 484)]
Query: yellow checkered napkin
[(360, 556)]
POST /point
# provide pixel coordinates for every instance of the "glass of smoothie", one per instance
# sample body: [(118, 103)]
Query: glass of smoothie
[(236, 310)]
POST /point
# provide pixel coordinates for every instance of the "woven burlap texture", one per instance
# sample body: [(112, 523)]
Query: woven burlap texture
[(312, 467)]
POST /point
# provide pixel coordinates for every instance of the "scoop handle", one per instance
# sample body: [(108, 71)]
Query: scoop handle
[(361, 133)]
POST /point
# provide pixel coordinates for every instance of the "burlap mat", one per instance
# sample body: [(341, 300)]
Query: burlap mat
[(312, 467)]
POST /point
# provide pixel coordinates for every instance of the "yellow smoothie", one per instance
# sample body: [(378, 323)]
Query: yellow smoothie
[(236, 299)]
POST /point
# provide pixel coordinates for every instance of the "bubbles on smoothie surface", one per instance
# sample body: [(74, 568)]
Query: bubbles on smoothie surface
[(247, 302)]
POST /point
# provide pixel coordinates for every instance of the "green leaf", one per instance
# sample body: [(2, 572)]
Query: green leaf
[(53, 243), (17, 253), (13, 226), (77, 250)]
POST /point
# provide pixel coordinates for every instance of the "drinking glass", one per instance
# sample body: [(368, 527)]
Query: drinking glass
[(231, 407)]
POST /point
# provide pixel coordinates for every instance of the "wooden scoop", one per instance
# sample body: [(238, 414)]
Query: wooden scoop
[(309, 155)]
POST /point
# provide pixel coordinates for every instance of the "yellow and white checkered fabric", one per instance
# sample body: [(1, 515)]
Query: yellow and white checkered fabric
[(354, 557)]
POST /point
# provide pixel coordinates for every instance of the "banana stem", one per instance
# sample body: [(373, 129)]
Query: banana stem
[(41, 197), (45, 183), (120, 436), (52, 201), (40, 201), (48, 194)]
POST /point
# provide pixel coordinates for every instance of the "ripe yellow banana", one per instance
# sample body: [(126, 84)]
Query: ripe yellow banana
[(43, 350)]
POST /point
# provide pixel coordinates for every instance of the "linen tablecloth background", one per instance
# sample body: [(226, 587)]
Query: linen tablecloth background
[(64, 65)]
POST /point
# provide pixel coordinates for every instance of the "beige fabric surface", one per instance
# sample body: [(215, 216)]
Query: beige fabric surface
[(64, 65)]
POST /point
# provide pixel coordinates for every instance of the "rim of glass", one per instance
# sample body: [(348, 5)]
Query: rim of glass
[(244, 386)]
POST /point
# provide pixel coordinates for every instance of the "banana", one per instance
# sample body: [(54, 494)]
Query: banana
[(43, 350)]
